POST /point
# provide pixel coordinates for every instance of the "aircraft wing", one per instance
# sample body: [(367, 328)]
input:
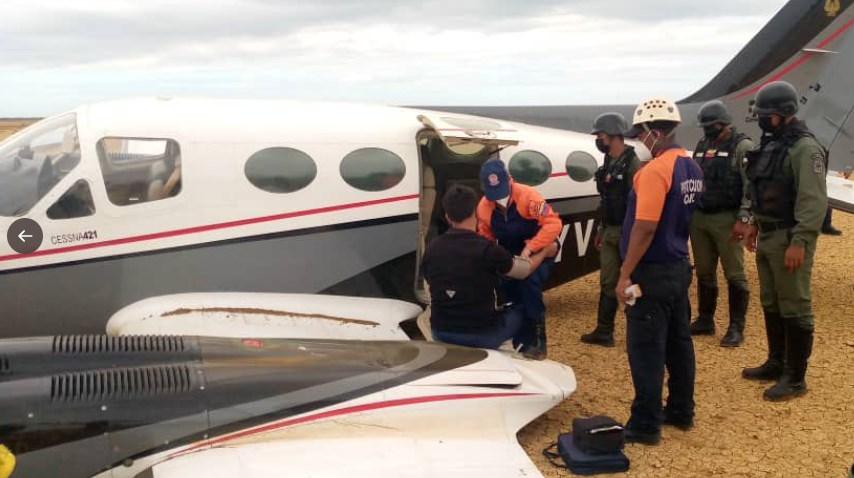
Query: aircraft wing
[(840, 193), (457, 436), (405, 456)]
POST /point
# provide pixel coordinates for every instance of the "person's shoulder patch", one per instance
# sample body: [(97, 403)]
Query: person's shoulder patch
[(538, 208), (818, 163)]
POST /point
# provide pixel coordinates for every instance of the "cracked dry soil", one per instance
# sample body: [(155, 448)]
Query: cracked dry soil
[(737, 434)]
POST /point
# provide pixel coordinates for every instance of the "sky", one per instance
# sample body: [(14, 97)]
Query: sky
[(58, 54)]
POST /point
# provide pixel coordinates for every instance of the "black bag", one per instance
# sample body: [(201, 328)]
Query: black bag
[(598, 435), (582, 463)]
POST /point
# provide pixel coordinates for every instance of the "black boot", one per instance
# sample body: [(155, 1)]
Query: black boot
[(707, 298), (773, 366), (603, 334), (739, 297), (537, 350), (798, 350), (827, 225)]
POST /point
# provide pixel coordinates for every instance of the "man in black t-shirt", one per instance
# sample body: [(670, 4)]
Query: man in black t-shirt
[(463, 270)]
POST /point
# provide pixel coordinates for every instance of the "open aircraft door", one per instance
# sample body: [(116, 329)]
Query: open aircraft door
[(459, 130), (452, 150)]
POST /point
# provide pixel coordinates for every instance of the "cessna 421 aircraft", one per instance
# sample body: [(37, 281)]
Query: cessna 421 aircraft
[(116, 202)]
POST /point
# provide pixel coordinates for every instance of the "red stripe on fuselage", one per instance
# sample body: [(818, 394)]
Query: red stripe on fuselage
[(800, 61), (209, 227), (344, 411)]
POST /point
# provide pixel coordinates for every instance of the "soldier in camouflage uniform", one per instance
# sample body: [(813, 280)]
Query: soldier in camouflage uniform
[(613, 181), (789, 200), (720, 222)]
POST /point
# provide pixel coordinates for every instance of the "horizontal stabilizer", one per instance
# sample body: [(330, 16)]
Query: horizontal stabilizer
[(840, 193)]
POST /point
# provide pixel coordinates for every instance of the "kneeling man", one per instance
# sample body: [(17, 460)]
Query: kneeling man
[(463, 270)]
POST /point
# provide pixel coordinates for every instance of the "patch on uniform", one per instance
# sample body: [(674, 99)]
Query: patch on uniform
[(451, 293), (818, 163), (711, 153), (538, 208)]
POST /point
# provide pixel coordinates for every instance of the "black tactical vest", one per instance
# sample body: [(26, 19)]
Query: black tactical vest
[(613, 183), (724, 186), (772, 191)]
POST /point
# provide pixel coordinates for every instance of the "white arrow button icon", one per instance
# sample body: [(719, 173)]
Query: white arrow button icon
[(21, 236)]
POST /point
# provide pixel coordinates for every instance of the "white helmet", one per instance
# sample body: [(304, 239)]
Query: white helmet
[(656, 108)]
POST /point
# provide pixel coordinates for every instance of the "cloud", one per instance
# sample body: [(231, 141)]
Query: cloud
[(428, 52)]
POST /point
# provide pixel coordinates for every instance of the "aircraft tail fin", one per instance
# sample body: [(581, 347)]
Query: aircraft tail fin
[(802, 32), (810, 44)]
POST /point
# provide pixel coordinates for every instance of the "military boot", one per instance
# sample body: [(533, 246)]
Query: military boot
[(773, 366), (798, 350), (739, 297), (603, 334), (707, 300), (827, 225), (537, 348)]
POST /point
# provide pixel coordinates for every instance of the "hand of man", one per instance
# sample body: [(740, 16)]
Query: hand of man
[(751, 237), (598, 240), (794, 257), (739, 231), (526, 253), (551, 250), (623, 284)]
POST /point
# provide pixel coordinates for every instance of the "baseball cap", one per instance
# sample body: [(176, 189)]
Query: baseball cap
[(495, 179)]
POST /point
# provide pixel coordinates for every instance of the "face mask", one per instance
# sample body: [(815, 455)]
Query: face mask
[(649, 149), (765, 123), (601, 146), (503, 201), (642, 151), (713, 132)]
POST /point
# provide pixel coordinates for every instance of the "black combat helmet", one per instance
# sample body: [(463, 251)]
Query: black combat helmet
[(779, 97), (713, 112), (612, 124)]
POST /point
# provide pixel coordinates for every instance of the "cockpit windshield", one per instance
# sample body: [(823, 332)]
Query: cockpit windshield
[(34, 161)]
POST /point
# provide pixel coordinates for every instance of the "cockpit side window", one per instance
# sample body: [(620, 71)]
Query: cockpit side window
[(34, 161), (138, 170), (76, 202)]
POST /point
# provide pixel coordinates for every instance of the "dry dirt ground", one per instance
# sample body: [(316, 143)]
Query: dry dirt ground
[(9, 126), (737, 434)]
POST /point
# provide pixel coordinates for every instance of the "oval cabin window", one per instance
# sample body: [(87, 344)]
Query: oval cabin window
[(581, 166), (373, 169), (530, 167), (280, 170)]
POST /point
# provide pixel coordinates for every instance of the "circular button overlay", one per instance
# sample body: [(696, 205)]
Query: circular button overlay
[(24, 236)]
